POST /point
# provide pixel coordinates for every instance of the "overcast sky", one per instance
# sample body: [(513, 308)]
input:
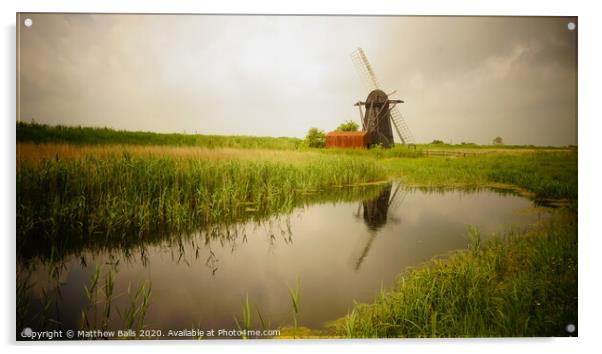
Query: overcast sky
[(464, 79)]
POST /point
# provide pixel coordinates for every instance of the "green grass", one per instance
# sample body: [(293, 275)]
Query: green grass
[(41, 133), (519, 285), (99, 307), (295, 296), (246, 319), (497, 147), (127, 199), (546, 174)]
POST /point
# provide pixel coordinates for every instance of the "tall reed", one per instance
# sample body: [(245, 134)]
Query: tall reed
[(128, 197)]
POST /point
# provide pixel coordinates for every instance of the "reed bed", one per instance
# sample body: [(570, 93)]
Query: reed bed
[(130, 196), (185, 244)]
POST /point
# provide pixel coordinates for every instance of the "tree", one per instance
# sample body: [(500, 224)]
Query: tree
[(436, 141), (315, 138), (498, 141), (348, 126)]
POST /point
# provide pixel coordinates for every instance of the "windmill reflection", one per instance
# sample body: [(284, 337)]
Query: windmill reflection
[(375, 213), (375, 210)]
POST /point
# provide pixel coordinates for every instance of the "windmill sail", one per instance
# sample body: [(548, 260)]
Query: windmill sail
[(364, 69), (367, 75), (401, 127)]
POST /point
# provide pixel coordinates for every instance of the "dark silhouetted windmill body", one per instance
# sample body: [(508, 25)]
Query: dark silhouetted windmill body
[(381, 113)]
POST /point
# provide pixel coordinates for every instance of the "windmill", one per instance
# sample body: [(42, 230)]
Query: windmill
[(380, 110)]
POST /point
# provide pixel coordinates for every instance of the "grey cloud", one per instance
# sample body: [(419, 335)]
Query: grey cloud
[(463, 78)]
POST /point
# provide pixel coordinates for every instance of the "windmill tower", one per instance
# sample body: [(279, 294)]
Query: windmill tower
[(380, 110)]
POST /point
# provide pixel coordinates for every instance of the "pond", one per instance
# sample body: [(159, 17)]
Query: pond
[(339, 252)]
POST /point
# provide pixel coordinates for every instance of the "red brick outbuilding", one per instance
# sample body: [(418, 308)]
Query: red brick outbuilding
[(347, 139)]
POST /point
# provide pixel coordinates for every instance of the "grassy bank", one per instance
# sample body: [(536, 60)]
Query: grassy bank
[(518, 285), (41, 133), (543, 174)]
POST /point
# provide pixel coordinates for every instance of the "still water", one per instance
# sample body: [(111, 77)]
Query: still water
[(339, 252)]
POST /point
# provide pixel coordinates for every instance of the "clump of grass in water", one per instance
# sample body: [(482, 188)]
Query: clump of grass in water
[(90, 292), (109, 286), (246, 318), (48, 314), (24, 285), (132, 317), (522, 285), (247, 321), (295, 297), (474, 237)]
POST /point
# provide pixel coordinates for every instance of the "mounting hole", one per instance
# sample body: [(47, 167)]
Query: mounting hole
[(570, 328), (571, 26), (28, 22)]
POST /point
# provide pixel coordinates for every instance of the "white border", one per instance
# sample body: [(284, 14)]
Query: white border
[(589, 170)]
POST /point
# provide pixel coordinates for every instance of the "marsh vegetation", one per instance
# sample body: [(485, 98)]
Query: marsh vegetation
[(519, 284), (100, 196)]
